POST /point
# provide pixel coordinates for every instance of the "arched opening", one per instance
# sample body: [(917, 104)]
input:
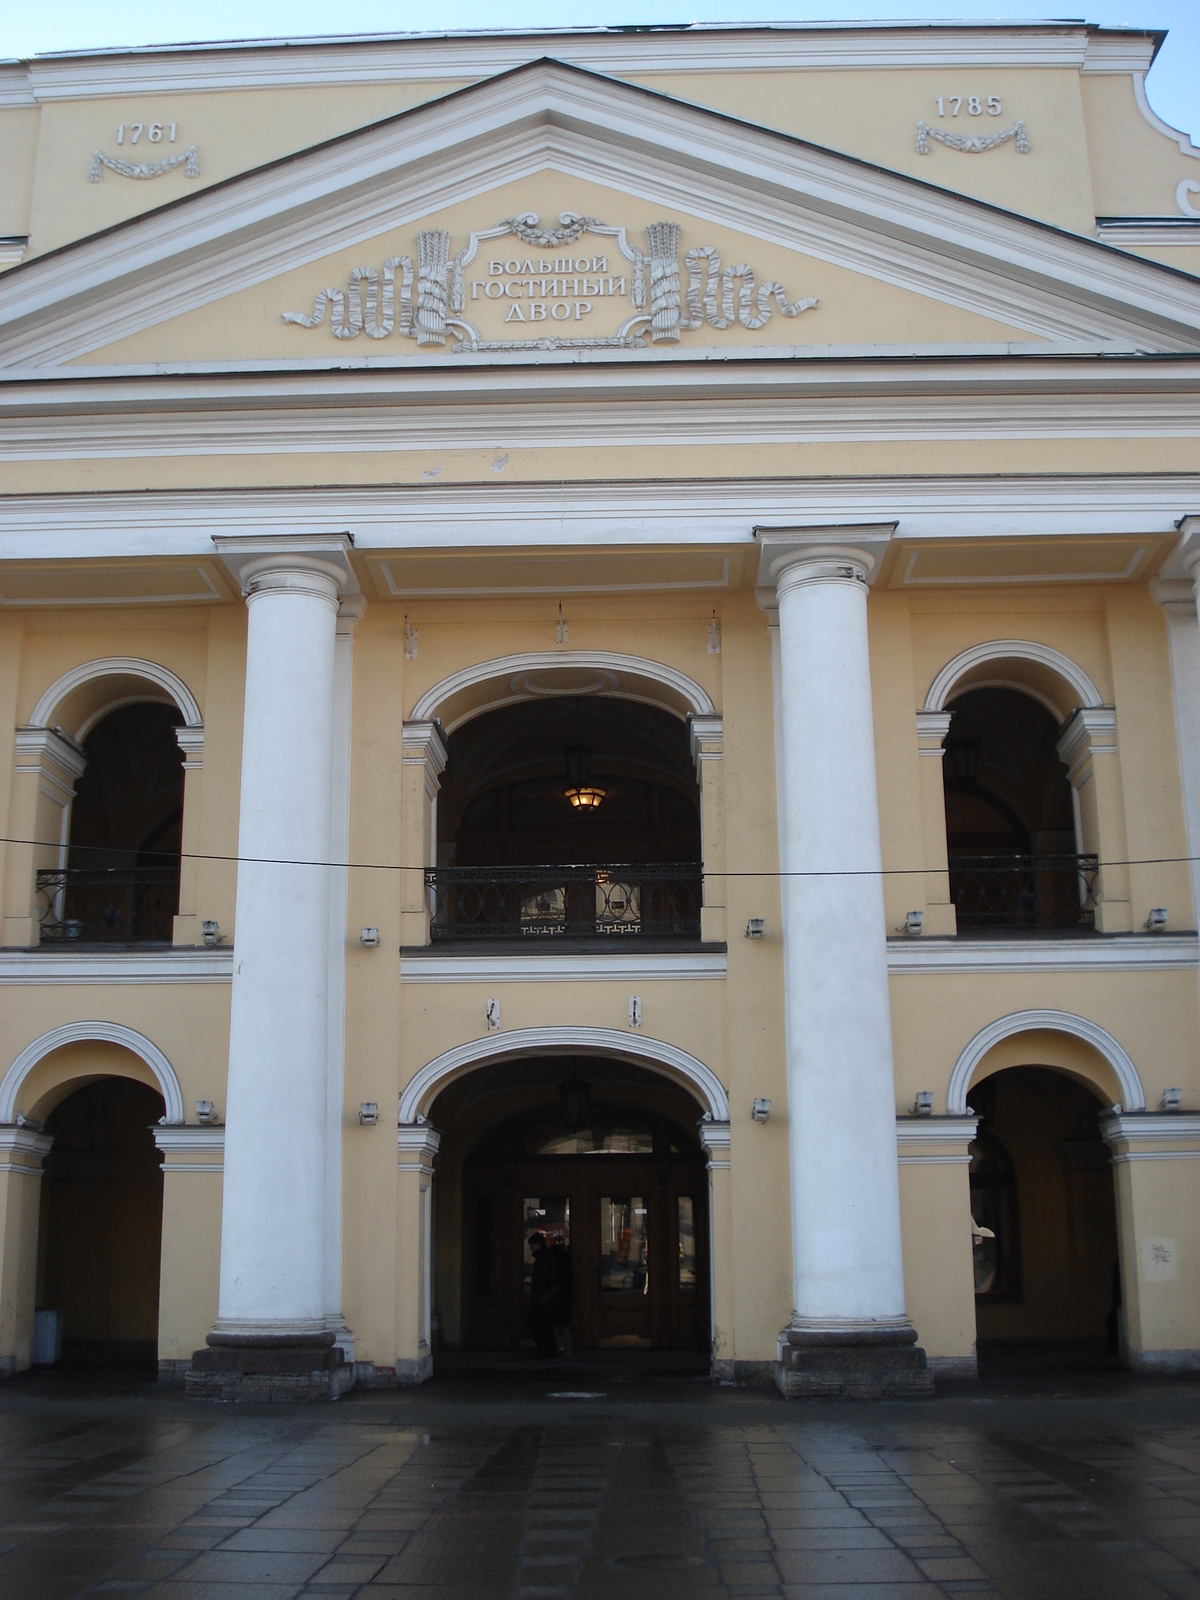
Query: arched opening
[(1010, 822), (1047, 1279), (121, 880), (572, 817), (599, 1156), (100, 1223)]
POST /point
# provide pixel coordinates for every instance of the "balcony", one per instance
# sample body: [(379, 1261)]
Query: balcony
[(1019, 892), (102, 905), (565, 903)]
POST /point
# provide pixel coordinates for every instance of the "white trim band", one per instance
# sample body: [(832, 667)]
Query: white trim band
[(622, 966)]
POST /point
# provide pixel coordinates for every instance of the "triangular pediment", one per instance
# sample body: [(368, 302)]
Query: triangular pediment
[(552, 207)]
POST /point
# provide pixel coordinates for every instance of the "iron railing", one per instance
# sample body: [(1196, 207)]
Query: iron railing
[(107, 905), (566, 902), (1024, 891)]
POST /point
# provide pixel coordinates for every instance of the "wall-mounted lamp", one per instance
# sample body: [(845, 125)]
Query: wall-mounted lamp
[(760, 1110), (206, 1113), (369, 937), (368, 1113), (754, 928), (1172, 1100), (210, 932), (1156, 922), (923, 1104), (914, 921)]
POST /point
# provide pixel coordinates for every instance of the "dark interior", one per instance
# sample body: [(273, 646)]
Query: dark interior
[(503, 798), (1007, 791)]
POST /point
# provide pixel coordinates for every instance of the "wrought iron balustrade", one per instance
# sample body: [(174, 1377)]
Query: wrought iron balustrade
[(566, 902), (1024, 891), (107, 905)]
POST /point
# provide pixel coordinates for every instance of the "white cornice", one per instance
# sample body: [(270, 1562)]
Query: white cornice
[(936, 1130), (188, 1138), (103, 967), (1120, 50), (688, 513), (1122, 952), (578, 419), (1124, 232), (1051, 284), (791, 47), (623, 966)]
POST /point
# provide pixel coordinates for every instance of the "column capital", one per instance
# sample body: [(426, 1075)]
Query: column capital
[(417, 1144), (23, 1149), (716, 1140), (1189, 549), (932, 728), (1089, 731), (424, 745), (835, 553), (1174, 595), (351, 608), (313, 563), (53, 753), (191, 743), (707, 738)]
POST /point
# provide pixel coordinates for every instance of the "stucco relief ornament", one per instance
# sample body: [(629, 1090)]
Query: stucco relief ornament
[(189, 160), (972, 144), (560, 289)]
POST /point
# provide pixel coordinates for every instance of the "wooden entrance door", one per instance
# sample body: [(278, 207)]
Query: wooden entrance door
[(637, 1235)]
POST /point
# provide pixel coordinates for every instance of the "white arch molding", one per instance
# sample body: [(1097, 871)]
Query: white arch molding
[(152, 672), (86, 1033), (1133, 1097), (667, 1060), (1001, 650), (504, 669)]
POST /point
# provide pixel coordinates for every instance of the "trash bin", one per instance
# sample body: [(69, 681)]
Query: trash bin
[(47, 1338)]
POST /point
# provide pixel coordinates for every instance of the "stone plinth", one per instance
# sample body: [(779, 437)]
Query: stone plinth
[(852, 1365)]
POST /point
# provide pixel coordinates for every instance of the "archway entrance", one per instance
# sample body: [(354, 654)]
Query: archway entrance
[(100, 1225), (602, 1159), (1047, 1280)]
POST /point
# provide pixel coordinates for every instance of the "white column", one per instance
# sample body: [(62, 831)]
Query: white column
[(847, 1264), (273, 1214)]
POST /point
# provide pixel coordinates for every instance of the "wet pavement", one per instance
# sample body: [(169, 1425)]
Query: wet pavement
[(602, 1480)]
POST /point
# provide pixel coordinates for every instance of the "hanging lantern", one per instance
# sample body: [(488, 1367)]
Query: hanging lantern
[(584, 796)]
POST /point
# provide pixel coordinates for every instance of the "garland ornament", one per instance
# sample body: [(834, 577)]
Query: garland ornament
[(723, 316), (972, 144), (189, 161)]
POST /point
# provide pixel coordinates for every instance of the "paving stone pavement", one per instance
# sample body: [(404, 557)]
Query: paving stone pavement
[(645, 1487)]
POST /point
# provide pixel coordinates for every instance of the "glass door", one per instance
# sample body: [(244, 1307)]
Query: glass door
[(626, 1301)]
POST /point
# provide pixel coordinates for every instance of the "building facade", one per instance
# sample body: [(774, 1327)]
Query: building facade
[(597, 637)]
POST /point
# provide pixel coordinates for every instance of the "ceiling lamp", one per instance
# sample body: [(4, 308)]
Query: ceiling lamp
[(584, 796)]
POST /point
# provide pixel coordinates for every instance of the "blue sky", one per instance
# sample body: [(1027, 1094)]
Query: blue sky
[(27, 29)]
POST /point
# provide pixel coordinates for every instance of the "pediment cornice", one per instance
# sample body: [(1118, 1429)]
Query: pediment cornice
[(1053, 285)]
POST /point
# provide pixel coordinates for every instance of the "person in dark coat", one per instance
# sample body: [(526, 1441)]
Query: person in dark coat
[(543, 1295)]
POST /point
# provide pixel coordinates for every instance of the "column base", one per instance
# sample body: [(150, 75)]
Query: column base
[(290, 1370), (852, 1363)]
